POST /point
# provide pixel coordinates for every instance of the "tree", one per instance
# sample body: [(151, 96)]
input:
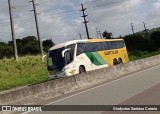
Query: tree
[(155, 39), (47, 44), (31, 48), (31, 45), (29, 39), (107, 35), (137, 43), (5, 50), (25, 46), (20, 46)]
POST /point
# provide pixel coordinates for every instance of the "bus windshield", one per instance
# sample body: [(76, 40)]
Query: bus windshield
[(55, 59)]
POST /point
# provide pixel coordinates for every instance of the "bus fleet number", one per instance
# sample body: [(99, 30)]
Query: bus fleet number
[(111, 52)]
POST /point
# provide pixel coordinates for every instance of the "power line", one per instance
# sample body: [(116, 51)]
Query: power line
[(71, 11), (23, 19), (69, 14), (23, 5), (63, 12), (101, 10), (5, 19), (58, 7), (62, 15)]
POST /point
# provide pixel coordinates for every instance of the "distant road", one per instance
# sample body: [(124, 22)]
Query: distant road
[(139, 88)]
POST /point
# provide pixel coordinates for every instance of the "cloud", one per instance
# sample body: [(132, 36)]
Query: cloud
[(61, 20), (19, 29), (116, 18), (156, 5)]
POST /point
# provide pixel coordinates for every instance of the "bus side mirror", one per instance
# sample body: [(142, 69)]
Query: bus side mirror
[(64, 51)]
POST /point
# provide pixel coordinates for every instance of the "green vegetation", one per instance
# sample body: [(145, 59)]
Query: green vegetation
[(25, 46), (142, 54), (28, 70), (139, 46), (31, 69)]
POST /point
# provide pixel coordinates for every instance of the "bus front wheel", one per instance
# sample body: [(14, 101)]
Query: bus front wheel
[(82, 70)]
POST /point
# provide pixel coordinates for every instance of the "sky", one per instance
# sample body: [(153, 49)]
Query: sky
[(60, 20)]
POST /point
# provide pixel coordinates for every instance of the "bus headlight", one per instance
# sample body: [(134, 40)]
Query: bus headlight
[(72, 72)]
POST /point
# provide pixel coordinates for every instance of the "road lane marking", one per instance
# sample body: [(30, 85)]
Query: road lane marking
[(130, 75), (102, 85)]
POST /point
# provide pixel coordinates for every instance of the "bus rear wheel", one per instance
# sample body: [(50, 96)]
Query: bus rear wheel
[(120, 61), (115, 62), (82, 70)]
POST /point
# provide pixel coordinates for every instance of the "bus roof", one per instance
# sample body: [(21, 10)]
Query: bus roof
[(80, 41)]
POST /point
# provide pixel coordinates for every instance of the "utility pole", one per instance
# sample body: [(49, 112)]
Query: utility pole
[(80, 36), (37, 27), (97, 33), (145, 29), (85, 22), (132, 28), (100, 34), (12, 31)]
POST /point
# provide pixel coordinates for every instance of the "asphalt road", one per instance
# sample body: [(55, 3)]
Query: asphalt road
[(138, 88)]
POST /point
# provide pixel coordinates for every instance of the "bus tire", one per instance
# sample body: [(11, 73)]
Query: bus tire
[(120, 61), (115, 62), (82, 70)]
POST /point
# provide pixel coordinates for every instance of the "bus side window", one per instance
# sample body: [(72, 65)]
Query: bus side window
[(105, 46), (90, 47), (68, 57), (120, 44), (113, 45), (71, 51), (80, 48), (97, 46)]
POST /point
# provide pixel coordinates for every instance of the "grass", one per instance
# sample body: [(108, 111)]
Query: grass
[(31, 69), (27, 70), (140, 55)]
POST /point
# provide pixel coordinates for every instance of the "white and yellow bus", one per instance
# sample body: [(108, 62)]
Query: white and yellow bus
[(79, 56)]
